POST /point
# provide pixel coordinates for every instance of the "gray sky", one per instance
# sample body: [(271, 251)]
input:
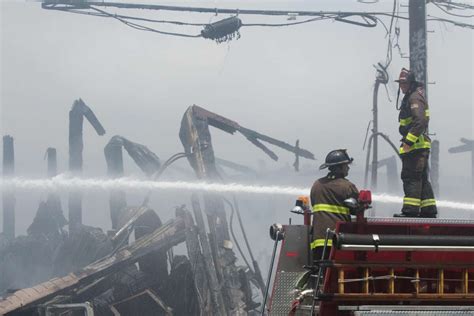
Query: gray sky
[(311, 82)]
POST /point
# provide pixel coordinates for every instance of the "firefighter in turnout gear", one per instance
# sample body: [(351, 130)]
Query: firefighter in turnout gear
[(414, 116), (327, 198)]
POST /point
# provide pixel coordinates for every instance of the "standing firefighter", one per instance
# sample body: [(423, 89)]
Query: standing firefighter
[(415, 149), (327, 197)]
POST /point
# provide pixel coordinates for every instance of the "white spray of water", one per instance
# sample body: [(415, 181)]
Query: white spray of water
[(65, 183)]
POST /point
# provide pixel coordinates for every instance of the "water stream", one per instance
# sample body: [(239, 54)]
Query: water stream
[(65, 183)]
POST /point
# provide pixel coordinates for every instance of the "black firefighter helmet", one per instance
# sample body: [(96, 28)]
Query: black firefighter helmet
[(336, 157)]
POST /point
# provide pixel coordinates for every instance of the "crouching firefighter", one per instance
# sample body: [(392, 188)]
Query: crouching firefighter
[(414, 116), (327, 198)]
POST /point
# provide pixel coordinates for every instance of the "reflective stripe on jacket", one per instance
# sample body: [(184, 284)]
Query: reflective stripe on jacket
[(414, 118)]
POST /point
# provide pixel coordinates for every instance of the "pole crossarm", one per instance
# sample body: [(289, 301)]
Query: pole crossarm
[(467, 146)]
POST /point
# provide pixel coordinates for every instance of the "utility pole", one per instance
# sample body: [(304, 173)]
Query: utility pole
[(8, 195), (382, 78), (418, 47)]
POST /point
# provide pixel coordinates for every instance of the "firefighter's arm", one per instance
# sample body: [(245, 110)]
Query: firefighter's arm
[(352, 192), (418, 125)]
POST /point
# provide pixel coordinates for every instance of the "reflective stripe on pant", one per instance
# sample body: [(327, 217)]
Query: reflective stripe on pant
[(411, 201), (416, 185)]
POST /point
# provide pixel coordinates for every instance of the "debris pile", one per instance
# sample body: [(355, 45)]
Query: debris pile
[(132, 269)]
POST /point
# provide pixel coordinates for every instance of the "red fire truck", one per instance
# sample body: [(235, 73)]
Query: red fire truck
[(376, 266)]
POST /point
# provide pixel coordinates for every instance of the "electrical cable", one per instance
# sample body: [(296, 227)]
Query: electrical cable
[(257, 271), (455, 5), (389, 42), (291, 23), (366, 134), (450, 13), (239, 218), (157, 174), (126, 17), (142, 27), (211, 10), (233, 234), (460, 24)]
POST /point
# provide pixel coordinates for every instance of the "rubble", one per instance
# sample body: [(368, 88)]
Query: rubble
[(108, 280), (85, 271)]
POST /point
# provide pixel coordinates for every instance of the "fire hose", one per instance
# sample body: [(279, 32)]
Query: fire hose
[(376, 242)]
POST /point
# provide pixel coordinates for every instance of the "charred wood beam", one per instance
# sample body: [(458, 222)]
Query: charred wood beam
[(165, 237), (296, 164), (216, 120), (468, 145), (78, 111), (214, 286), (392, 174), (201, 281), (231, 127), (196, 139), (145, 159), (114, 159), (51, 157), (294, 149), (76, 118), (255, 141), (53, 202), (8, 195)]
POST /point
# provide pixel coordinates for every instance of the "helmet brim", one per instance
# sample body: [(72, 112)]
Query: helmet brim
[(326, 165), (323, 166)]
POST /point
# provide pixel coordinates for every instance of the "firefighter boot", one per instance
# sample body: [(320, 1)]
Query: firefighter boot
[(405, 215), (428, 211)]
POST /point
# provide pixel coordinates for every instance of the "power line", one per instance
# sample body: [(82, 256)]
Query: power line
[(450, 13), (454, 5), (142, 27), (369, 19), (291, 23), (460, 24), (54, 3)]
